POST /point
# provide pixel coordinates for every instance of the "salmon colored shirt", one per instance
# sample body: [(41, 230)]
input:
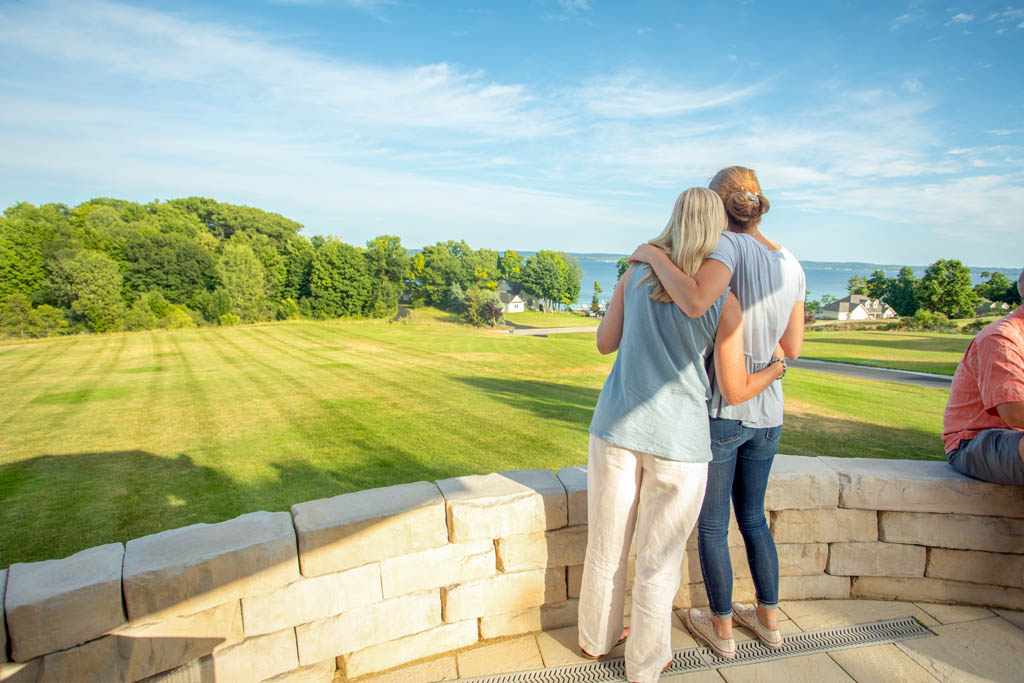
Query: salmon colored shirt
[(990, 374)]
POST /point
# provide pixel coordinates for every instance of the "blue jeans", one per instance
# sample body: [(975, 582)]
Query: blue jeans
[(741, 462)]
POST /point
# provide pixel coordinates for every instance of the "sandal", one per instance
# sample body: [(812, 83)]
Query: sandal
[(701, 625), (747, 616), (622, 639)]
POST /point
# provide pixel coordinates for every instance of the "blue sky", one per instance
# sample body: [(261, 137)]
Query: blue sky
[(889, 132)]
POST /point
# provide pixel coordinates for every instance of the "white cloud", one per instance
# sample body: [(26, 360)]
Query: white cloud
[(575, 5), (903, 20), (960, 18), (913, 85), (634, 95)]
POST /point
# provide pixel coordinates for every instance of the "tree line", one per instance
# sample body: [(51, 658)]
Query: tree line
[(945, 288), (110, 264)]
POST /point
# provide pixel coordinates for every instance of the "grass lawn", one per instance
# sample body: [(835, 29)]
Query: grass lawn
[(107, 438), (918, 351), (553, 319)]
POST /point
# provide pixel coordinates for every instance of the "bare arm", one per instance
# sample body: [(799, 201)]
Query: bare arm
[(792, 341), (609, 332), (693, 295), (1012, 413), (730, 367)]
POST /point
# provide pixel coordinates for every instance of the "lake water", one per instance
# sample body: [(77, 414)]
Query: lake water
[(822, 278)]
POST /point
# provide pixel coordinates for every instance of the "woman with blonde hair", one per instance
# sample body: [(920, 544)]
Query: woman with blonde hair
[(770, 286), (650, 443)]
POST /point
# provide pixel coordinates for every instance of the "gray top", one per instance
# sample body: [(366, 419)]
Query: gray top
[(655, 399), (768, 283)]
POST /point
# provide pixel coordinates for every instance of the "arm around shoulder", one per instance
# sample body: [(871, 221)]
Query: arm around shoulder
[(693, 295), (609, 332), (792, 341)]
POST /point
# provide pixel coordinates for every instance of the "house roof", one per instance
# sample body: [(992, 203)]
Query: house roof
[(508, 297), (851, 302)]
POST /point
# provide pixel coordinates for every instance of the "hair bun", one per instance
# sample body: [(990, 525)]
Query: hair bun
[(746, 206)]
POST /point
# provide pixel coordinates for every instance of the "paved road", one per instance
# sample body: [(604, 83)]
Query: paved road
[(921, 379)]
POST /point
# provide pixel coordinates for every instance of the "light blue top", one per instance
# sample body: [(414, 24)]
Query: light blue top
[(656, 398), (768, 283)]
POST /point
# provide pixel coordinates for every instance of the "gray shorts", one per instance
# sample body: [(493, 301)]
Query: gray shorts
[(993, 455)]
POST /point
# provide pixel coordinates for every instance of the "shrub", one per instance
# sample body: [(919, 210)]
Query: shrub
[(228, 320)]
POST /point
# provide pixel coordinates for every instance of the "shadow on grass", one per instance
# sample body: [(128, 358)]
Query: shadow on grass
[(936, 367), (55, 505), (837, 437), (547, 400)]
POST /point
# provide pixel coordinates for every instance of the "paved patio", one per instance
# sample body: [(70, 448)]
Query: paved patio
[(973, 644)]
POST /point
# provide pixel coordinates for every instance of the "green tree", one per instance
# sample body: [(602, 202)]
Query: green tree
[(878, 285), (339, 284), (95, 284), (997, 288), (946, 288), (510, 266), (242, 276), (572, 280), (17, 319), (481, 307), (902, 294), (22, 266), (621, 266), (548, 275), (857, 284), (52, 321), (140, 315), (595, 302), (387, 263)]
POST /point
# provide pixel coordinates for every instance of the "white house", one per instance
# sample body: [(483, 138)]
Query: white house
[(857, 307), (511, 296)]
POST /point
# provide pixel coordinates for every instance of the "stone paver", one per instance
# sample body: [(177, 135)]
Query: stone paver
[(517, 654), (819, 668), (815, 615), (562, 646), (880, 664), (982, 650), (440, 669), (952, 614), (694, 677), (1015, 618)]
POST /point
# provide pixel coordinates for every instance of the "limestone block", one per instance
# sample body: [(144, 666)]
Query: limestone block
[(801, 483), (964, 532), (937, 590), (503, 593), (695, 595), (187, 570), (503, 504), (558, 548), (57, 604), (574, 577), (814, 587), (257, 658), (397, 652), (197, 671), (314, 673), (24, 672), (362, 627), (543, 618), (429, 671), (309, 599), (824, 526), (976, 566), (876, 559), (574, 479), (137, 652), (449, 564), (3, 622), (366, 526), (920, 486)]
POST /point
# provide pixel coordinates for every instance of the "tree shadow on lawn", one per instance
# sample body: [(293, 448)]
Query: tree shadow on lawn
[(548, 400), (817, 435), (53, 506)]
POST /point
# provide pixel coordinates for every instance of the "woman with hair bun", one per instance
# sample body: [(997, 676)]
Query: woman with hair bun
[(649, 440), (770, 285)]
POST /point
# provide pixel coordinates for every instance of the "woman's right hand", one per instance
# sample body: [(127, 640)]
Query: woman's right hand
[(645, 253)]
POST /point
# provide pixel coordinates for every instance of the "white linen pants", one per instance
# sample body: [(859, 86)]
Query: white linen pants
[(661, 500)]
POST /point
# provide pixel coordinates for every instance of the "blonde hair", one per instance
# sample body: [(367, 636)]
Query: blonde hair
[(741, 194), (691, 234)]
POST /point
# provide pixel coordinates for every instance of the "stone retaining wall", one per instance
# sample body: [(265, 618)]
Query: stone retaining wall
[(372, 580)]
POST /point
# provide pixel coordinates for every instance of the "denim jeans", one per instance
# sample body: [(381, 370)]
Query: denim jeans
[(741, 462)]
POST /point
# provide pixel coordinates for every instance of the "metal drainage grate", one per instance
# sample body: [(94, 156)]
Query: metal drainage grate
[(748, 652)]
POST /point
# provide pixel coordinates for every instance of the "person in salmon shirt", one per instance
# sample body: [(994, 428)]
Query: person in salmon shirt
[(983, 425)]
